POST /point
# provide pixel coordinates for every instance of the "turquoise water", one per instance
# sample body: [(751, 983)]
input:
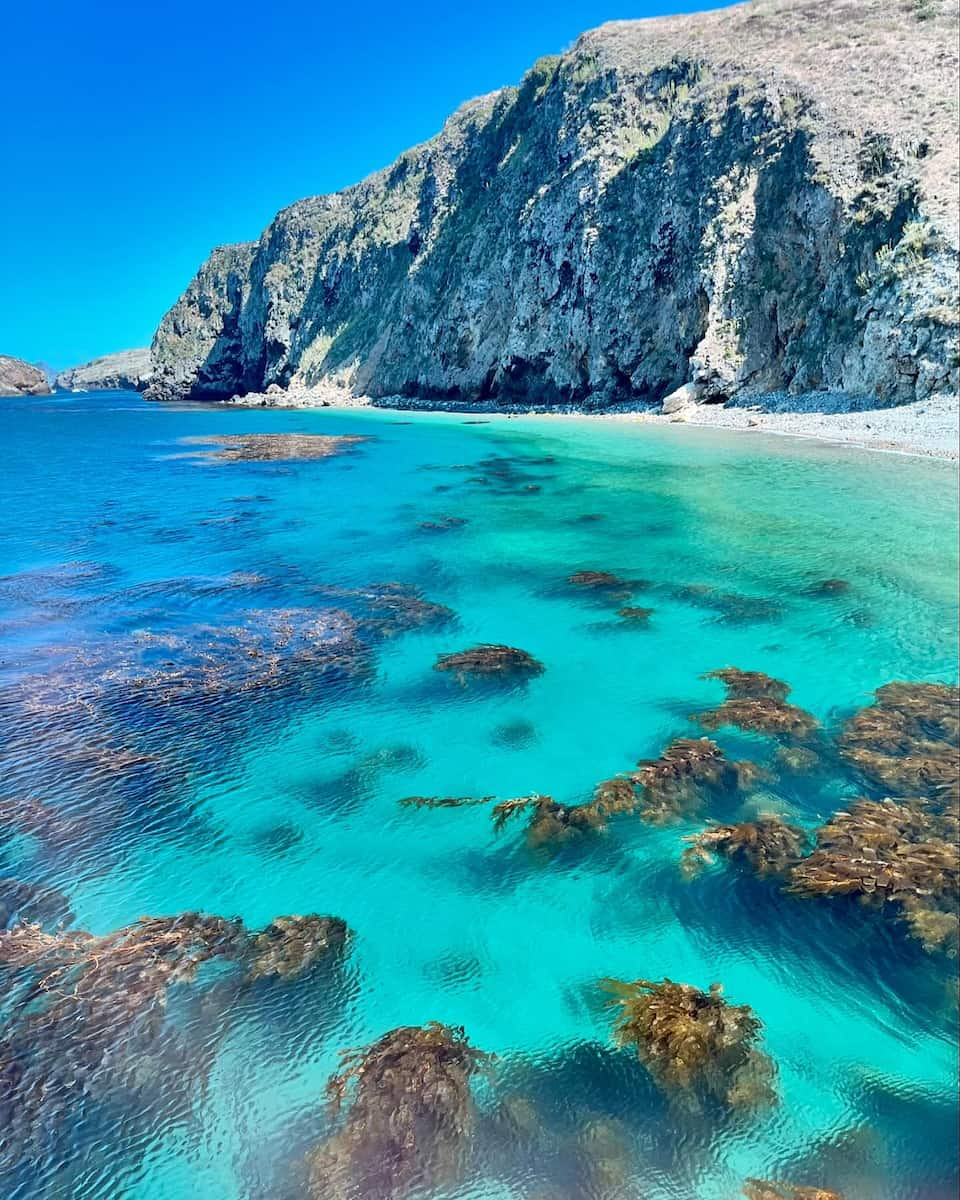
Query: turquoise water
[(285, 799)]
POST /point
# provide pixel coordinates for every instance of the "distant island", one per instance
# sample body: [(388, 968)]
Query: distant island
[(19, 378), (129, 370), (690, 209)]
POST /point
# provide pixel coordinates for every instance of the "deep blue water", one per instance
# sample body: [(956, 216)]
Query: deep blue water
[(126, 557)]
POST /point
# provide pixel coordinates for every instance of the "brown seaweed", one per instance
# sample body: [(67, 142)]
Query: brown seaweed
[(550, 823), (749, 685), (88, 1022), (897, 856), (444, 801), (767, 846), (489, 659), (906, 743), (757, 703), (690, 770), (695, 1044), (765, 1189), (272, 447), (635, 615), (765, 715), (410, 1115), (290, 946)]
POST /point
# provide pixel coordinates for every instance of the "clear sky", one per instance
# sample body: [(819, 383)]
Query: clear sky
[(137, 135)]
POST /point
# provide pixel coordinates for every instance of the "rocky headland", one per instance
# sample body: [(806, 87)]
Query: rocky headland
[(680, 211), (19, 378), (127, 370)]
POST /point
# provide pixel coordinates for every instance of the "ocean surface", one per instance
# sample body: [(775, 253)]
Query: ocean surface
[(165, 709)]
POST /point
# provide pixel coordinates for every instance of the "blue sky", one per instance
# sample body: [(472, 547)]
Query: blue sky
[(137, 136)]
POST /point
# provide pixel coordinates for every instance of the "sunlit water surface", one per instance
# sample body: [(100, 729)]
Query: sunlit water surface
[(285, 800)]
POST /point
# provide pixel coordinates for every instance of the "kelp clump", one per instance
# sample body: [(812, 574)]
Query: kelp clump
[(88, 1020), (410, 1113), (290, 946), (765, 1189), (444, 801), (749, 685), (906, 743), (689, 771), (894, 855), (757, 703), (635, 615), (550, 823), (768, 846), (490, 660), (272, 447), (696, 1045)]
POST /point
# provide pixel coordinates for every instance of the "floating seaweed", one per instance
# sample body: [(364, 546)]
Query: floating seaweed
[(444, 801), (551, 824), (635, 615), (749, 685), (272, 447), (897, 856), (490, 660), (767, 846), (906, 743), (409, 1118), (290, 946), (689, 771), (773, 718), (88, 1023), (695, 1044), (605, 587), (765, 1189), (757, 703)]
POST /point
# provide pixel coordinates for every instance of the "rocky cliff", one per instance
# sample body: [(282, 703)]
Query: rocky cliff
[(19, 378), (128, 370), (758, 198)]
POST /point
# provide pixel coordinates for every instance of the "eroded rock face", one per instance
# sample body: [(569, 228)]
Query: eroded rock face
[(711, 200), (19, 378), (127, 370)]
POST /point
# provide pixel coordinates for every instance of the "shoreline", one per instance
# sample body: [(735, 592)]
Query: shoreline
[(924, 429)]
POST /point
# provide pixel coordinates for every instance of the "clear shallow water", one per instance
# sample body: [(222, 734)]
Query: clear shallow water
[(285, 800)]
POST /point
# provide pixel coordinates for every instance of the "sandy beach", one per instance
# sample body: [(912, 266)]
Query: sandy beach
[(929, 428)]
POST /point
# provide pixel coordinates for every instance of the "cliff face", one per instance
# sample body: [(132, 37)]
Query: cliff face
[(127, 370), (19, 378), (754, 199)]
